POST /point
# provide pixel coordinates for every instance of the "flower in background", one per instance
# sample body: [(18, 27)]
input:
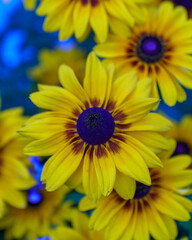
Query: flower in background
[(14, 175), (101, 134), (159, 48), (29, 4), (153, 209), (182, 133), (79, 229), (80, 16), (49, 61), (43, 210)]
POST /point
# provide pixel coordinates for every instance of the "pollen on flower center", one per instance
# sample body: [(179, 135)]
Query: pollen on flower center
[(181, 148), (150, 49), (95, 126), (141, 190), (34, 197), (185, 3)]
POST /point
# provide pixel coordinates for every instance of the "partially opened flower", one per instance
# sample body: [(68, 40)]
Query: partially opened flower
[(80, 16), (78, 231), (14, 175), (153, 209), (49, 61), (159, 48), (43, 210), (98, 133), (29, 4)]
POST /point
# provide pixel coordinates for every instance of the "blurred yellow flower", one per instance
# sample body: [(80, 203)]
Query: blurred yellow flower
[(78, 231), (14, 175), (43, 209), (49, 61)]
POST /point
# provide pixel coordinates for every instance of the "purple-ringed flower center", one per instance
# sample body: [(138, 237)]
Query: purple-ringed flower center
[(34, 197), (141, 190), (95, 126), (185, 3), (181, 148), (150, 49)]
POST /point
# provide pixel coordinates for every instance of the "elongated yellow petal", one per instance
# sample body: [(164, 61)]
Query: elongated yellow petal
[(96, 82), (125, 186), (99, 22)]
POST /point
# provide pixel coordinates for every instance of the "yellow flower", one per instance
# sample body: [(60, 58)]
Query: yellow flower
[(182, 133), (159, 49), (47, 70), (14, 175), (80, 16), (79, 229), (97, 133), (43, 209), (29, 4), (153, 209)]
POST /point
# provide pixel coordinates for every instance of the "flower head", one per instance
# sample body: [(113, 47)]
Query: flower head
[(98, 133), (153, 209), (79, 229), (80, 16), (14, 175), (49, 61), (43, 210), (159, 48)]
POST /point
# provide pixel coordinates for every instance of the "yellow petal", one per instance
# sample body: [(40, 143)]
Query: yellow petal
[(99, 22), (70, 82), (96, 82), (125, 186)]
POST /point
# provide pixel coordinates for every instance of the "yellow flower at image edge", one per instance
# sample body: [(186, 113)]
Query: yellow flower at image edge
[(43, 210), (153, 209), (14, 175), (49, 61), (79, 229), (159, 48), (101, 134), (80, 16)]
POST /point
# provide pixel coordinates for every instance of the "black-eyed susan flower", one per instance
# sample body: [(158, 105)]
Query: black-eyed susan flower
[(43, 210), (80, 16), (29, 4), (78, 231), (101, 134), (182, 133), (49, 61), (14, 175), (154, 208), (159, 48)]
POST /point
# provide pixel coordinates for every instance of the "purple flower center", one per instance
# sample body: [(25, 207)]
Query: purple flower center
[(141, 190), (185, 3), (150, 49), (34, 197), (181, 148), (95, 126)]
